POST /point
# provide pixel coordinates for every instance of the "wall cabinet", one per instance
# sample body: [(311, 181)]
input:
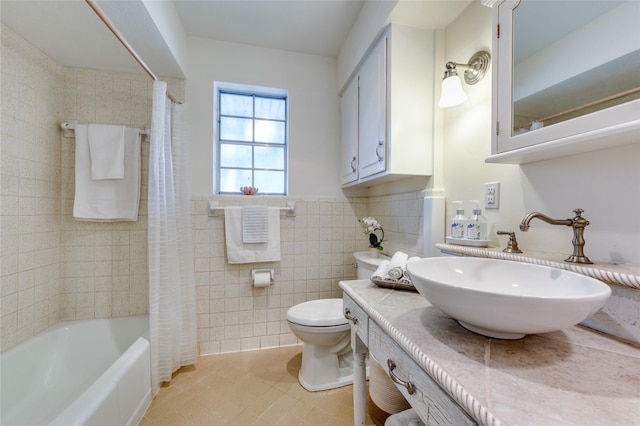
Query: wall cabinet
[(387, 110), (570, 86), (349, 130)]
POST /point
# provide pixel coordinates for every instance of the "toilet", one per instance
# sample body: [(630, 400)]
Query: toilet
[(327, 359)]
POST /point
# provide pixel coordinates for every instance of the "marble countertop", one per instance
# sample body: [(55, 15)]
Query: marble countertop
[(618, 274), (576, 376)]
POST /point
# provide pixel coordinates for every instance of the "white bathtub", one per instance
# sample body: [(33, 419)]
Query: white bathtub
[(93, 372)]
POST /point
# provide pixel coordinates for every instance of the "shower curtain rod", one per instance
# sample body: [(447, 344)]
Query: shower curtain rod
[(98, 10)]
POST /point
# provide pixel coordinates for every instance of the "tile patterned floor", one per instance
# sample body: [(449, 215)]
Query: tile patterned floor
[(248, 388)]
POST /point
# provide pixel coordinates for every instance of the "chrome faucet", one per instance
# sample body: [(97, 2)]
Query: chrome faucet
[(578, 223)]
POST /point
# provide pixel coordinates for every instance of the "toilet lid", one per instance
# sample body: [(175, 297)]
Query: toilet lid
[(318, 313)]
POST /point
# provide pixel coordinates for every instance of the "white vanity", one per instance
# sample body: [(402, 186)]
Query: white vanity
[(449, 375)]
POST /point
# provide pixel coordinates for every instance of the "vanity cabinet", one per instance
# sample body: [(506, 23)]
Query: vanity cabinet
[(387, 110), (566, 87), (433, 404)]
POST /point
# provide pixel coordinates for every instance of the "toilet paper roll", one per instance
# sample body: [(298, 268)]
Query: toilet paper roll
[(262, 279)]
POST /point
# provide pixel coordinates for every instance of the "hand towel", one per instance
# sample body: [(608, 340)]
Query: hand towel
[(406, 278), (381, 271), (106, 150), (397, 264), (240, 252), (111, 199), (255, 224)]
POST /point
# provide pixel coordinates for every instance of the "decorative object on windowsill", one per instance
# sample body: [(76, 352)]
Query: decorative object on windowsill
[(249, 190), (369, 226)]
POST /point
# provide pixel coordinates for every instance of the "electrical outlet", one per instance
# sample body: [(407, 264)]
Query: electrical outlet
[(492, 195)]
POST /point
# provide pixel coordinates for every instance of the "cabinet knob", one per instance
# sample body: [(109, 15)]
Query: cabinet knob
[(380, 152)]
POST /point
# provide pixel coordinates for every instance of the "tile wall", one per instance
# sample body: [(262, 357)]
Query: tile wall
[(316, 248), (30, 189), (104, 265)]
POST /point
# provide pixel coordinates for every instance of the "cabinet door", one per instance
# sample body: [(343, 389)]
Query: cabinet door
[(349, 112), (372, 112), (570, 94)]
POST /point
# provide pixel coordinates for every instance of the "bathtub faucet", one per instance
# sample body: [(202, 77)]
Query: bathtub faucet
[(578, 223)]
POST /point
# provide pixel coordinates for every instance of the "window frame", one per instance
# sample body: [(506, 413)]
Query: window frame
[(221, 88)]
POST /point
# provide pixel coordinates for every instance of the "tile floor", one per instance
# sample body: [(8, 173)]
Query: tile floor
[(248, 388)]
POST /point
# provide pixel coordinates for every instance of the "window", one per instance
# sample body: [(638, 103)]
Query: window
[(251, 139)]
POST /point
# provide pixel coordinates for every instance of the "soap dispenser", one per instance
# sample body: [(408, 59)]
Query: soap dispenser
[(476, 228), (458, 223)]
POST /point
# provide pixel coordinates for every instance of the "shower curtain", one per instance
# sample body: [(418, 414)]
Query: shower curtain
[(172, 310)]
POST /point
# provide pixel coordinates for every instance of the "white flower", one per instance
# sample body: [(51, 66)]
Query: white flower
[(369, 224)]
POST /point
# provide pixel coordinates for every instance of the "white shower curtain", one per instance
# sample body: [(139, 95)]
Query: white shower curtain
[(172, 310)]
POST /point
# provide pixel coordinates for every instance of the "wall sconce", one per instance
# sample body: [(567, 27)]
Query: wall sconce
[(452, 93)]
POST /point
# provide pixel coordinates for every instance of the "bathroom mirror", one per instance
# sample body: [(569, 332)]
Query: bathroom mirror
[(553, 79), (566, 69)]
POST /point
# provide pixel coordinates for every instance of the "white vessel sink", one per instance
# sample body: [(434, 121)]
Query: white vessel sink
[(505, 299)]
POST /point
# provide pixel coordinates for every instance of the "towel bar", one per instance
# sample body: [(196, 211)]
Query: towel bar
[(214, 209), (69, 129)]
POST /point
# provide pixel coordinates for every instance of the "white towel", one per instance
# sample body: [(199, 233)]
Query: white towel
[(255, 224), (106, 150), (397, 264), (398, 260), (238, 251), (112, 199), (381, 271)]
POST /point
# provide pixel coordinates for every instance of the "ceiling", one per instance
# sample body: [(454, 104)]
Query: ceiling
[(71, 33), (307, 26)]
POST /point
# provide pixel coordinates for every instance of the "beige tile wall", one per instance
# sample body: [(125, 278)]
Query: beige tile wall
[(104, 265), (401, 217), (32, 87), (316, 248)]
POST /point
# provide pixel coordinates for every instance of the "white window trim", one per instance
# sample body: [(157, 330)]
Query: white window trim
[(219, 86)]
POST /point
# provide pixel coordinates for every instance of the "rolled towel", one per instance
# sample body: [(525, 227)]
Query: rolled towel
[(405, 275), (398, 260), (395, 273), (397, 265), (405, 279), (382, 270)]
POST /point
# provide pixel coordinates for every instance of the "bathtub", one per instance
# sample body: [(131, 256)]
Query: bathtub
[(78, 372)]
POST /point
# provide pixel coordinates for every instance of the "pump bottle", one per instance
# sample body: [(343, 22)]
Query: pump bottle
[(476, 228), (458, 223)]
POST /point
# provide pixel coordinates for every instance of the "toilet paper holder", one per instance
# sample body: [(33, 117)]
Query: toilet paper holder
[(259, 271)]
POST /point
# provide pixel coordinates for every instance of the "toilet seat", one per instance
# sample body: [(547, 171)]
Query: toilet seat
[(318, 313)]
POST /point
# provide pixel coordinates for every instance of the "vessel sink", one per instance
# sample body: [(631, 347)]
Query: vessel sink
[(506, 299)]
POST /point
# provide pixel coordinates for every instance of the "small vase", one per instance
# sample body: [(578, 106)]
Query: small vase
[(374, 252)]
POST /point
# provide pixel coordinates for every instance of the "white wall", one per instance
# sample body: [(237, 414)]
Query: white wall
[(314, 115), (604, 183)]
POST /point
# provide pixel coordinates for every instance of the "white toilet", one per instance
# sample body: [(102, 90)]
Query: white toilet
[(327, 360)]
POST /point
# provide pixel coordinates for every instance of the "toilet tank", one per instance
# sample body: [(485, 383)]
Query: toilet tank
[(367, 265)]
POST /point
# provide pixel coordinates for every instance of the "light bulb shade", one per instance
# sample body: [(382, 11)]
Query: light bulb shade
[(452, 93)]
